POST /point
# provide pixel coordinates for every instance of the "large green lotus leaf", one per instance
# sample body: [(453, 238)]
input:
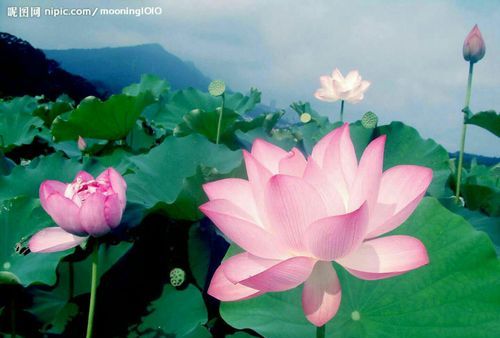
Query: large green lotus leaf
[(53, 309), (26, 180), (206, 123), (160, 174), (456, 295), (405, 146), (18, 125), (480, 221), (176, 313), (20, 218), (50, 110), (489, 120), (171, 112), (479, 197), (149, 82), (140, 139), (109, 120)]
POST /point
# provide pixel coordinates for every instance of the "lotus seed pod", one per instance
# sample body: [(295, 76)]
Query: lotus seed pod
[(177, 277), (305, 117), (369, 120), (216, 87)]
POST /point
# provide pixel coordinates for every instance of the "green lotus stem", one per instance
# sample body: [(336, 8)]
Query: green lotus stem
[(342, 111), (464, 130), (219, 125), (93, 289), (320, 331)]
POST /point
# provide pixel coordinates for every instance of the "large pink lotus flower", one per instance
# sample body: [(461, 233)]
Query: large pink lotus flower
[(337, 87), (294, 217), (474, 47), (84, 207)]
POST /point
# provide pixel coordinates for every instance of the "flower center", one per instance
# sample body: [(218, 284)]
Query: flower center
[(80, 190)]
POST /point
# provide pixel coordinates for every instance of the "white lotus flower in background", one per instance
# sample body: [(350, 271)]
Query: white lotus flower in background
[(337, 87)]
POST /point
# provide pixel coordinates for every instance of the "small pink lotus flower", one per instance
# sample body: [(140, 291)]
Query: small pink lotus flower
[(82, 208), (82, 145), (293, 217), (336, 87), (474, 47)]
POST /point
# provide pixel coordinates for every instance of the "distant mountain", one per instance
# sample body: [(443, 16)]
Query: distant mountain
[(25, 70), (485, 160), (115, 68)]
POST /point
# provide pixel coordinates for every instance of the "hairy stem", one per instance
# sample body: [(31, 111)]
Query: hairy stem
[(464, 131), (219, 125), (93, 289), (320, 331)]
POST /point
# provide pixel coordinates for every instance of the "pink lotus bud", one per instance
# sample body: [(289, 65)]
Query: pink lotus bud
[(474, 47), (82, 145), (87, 206)]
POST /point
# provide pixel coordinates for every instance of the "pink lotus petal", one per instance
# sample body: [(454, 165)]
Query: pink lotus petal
[(54, 239), (117, 183), (339, 160), (321, 294), (236, 190), (315, 176), (293, 164), (83, 176), (327, 95), (265, 274), (64, 213), (92, 215), (268, 154), (226, 291), (258, 176), (48, 188), (368, 175), (237, 225), (401, 188), (337, 75), (335, 236), (385, 257), (319, 150), (113, 211), (292, 205), (326, 82)]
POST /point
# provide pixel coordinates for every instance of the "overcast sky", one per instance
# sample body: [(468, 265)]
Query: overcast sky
[(410, 51)]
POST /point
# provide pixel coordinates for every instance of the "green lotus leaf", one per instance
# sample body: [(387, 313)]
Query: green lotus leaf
[(149, 83), (489, 120), (20, 218), (177, 313), (108, 120), (170, 112), (457, 295), (160, 175), (404, 145), (26, 180), (18, 125)]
